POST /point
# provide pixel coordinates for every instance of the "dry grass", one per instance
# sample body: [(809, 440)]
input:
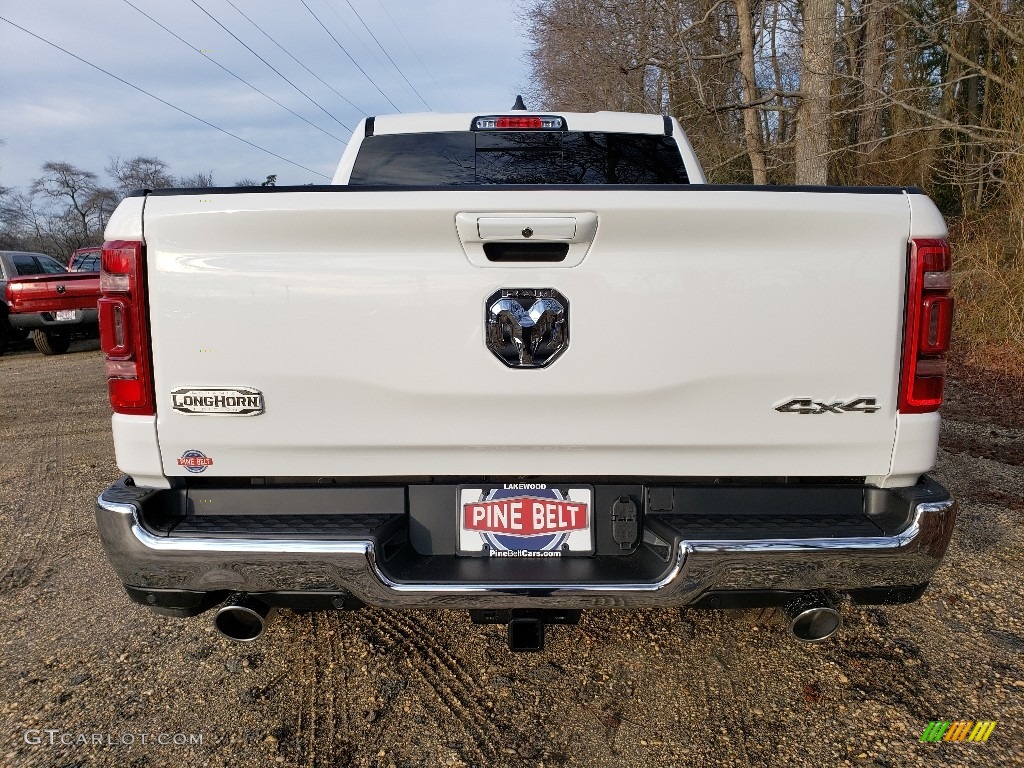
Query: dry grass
[(988, 284)]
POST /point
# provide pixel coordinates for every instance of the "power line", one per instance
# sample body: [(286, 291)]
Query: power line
[(414, 53), (162, 101), (237, 77), (314, 74), (389, 101), (378, 61), (293, 85), (358, 16)]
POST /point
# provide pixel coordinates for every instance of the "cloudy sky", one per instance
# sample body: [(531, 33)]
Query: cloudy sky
[(452, 55)]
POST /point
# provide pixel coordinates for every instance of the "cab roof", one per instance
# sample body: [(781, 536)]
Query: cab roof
[(436, 122)]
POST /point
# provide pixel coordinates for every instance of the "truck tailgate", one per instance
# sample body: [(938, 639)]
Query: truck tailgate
[(50, 293), (695, 314)]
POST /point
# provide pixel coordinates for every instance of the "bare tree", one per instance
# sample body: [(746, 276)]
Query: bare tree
[(813, 118), (872, 74), (751, 121), (196, 180), (602, 45), (22, 226), (138, 173), (31, 223), (65, 184), (78, 205)]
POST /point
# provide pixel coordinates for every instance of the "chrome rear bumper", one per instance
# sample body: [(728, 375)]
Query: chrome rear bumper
[(692, 569)]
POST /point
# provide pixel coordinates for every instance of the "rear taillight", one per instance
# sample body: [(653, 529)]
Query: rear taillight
[(928, 324), (124, 327)]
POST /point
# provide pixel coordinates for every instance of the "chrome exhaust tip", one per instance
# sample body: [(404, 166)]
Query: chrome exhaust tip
[(813, 617), (243, 619)]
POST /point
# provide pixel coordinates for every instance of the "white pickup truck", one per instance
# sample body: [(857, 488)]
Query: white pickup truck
[(524, 364)]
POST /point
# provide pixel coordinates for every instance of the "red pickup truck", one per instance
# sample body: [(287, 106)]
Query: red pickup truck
[(42, 298)]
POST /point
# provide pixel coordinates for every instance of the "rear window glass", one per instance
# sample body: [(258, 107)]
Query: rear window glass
[(88, 263), (51, 266), (513, 157), (26, 264)]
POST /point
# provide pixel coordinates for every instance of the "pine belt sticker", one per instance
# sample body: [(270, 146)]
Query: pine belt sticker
[(518, 521), (195, 461)]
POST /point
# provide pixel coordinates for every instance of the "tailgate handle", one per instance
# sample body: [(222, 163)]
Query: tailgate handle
[(526, 239), (543, 228), (526, 252)]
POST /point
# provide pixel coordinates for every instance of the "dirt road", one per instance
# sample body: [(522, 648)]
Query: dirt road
[(87, 677)]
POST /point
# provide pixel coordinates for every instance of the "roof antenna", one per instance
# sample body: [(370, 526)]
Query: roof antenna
[(519, 104)]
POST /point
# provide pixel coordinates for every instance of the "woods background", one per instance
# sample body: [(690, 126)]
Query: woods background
[(918, 92), (823, 92)]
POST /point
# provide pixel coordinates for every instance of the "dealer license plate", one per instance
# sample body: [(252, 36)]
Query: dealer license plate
[(65, 314), (525, 520)]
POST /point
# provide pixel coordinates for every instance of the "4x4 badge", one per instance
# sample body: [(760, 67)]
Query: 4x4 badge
[(810, 406)]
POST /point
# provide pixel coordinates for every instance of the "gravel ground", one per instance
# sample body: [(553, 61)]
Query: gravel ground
[(378, 688)]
